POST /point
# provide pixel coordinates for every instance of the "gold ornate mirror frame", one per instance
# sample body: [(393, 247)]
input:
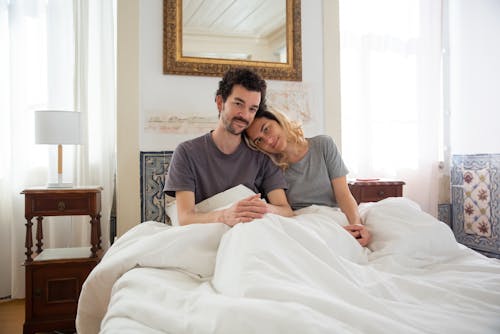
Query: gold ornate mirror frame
[(175, 63)]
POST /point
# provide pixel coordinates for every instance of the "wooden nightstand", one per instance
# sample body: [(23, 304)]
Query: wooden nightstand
[(54, 277), (375, 190)]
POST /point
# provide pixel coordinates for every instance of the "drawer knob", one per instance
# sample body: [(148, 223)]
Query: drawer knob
[(37, 292), (381, 193), (61, 206)]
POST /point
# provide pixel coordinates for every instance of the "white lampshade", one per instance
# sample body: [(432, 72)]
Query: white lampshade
[(57, 127)]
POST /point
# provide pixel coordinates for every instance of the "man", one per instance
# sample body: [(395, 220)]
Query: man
[(219, 160)]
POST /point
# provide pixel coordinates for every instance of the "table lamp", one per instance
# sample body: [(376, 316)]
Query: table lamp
[(57, 128)]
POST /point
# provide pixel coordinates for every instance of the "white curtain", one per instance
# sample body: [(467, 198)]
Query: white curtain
[(52, 52), (391, 93), (95, 98)]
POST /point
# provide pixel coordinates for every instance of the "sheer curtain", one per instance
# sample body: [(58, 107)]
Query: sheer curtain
[(40, 62), (95, 98), (391, 93)]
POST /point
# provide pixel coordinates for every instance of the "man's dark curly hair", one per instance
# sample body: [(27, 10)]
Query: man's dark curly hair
[(245, 77)]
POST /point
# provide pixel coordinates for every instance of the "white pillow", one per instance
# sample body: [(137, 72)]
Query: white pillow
[(218, 201), (399, 227)]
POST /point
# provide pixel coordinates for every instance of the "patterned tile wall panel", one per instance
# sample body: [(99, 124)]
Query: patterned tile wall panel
[(475, 196), (154, 167)]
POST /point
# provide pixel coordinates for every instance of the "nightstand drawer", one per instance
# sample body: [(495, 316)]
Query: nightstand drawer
[(375, 194), (374, 191), (70, 205), (67, 202)]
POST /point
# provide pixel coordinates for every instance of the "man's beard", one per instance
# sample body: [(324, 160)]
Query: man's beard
[(228, 125)]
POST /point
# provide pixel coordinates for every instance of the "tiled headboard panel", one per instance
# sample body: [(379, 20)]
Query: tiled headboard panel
[(154, 167), (475, 194)]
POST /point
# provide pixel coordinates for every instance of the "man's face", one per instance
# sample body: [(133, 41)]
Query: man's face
[(239, 109)]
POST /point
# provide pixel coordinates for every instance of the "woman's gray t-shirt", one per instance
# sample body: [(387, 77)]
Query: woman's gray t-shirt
[(310, 179)]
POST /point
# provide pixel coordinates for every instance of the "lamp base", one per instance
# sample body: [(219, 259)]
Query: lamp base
[(60, 185)]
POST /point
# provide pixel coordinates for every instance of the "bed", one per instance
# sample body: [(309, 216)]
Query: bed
[(303, 274)]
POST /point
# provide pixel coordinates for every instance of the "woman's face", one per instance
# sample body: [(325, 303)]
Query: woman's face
[(267, 135)]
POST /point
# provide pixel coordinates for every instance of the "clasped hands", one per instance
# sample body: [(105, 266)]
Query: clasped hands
[(360, 233), (244, 211)]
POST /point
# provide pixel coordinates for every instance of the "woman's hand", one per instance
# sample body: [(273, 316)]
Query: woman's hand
[(360, 233)]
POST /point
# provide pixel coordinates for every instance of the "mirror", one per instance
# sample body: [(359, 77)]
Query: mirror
[(203, 37)]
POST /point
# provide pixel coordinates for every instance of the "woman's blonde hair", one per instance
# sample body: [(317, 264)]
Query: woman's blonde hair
[(293, 131)]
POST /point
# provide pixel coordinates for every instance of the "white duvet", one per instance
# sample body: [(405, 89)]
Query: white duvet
[(294, 275)]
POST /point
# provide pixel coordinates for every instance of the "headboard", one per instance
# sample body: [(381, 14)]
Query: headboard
[(154, 167)]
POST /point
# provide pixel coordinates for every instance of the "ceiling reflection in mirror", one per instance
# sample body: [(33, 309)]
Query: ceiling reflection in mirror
[(235, 29)]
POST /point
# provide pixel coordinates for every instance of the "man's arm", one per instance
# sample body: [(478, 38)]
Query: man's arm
[(278, 203), (242, 211)]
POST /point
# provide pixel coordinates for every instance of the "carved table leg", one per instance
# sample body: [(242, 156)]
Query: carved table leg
[(28, 243), (93, 236), (99, 231), (39, 234)]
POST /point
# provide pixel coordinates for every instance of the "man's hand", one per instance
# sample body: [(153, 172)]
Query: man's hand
[(360, 233), (244, 211)]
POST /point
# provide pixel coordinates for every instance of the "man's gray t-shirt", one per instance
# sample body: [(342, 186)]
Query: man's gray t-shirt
[(309, 180), (199, 166)]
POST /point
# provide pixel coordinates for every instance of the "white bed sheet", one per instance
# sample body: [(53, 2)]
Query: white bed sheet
[(294, 275)]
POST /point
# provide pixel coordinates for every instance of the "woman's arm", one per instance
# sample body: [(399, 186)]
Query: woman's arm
[(279, 203), (345, 200), (349, 207)]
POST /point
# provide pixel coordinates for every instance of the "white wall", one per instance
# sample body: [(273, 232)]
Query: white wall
[(162, 94), (474, 76)]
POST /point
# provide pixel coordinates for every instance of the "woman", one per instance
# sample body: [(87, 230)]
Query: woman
[(313, 167)]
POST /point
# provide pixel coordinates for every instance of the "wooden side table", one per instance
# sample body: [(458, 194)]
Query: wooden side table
[(54, 277), (375, 190)]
